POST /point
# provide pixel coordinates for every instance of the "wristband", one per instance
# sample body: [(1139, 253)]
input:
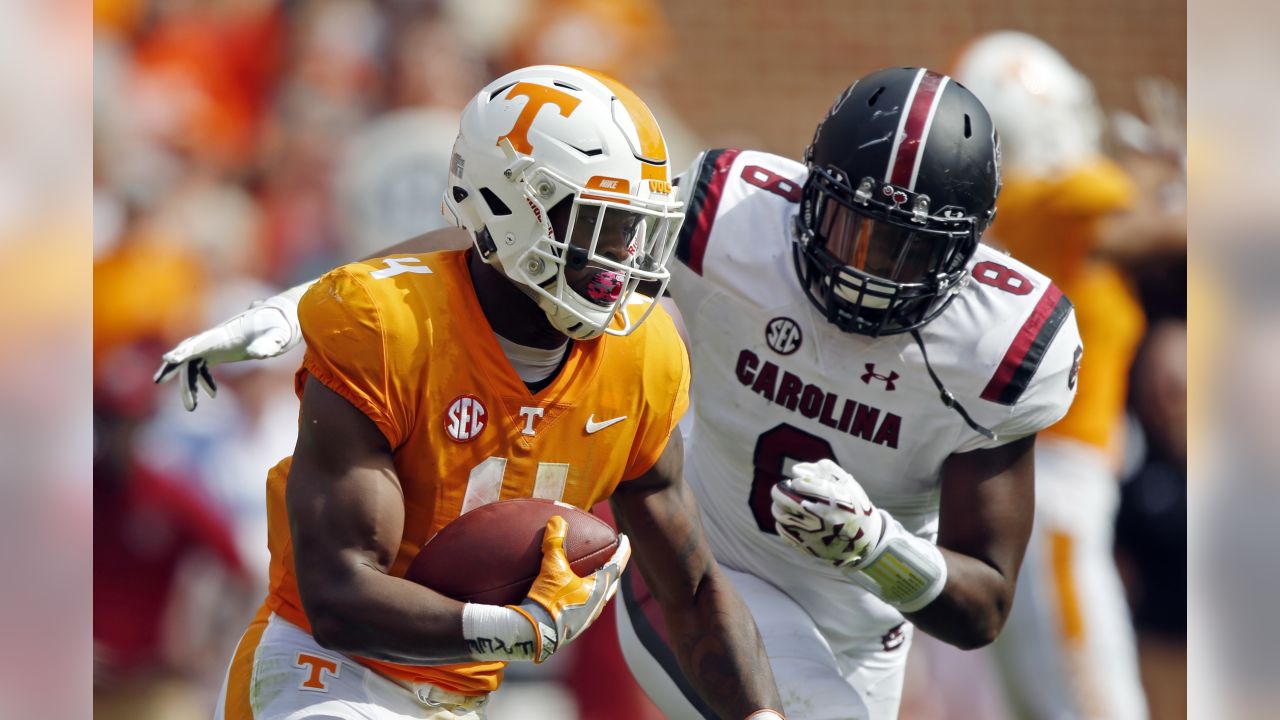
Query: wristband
[(498, 633), (905, 571), (546, 638)]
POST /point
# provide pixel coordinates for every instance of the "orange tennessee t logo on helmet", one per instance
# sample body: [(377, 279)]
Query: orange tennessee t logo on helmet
[(538, 95)]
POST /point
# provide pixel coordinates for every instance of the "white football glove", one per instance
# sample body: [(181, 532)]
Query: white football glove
[(824, 512), (560, 605), (267, 329)]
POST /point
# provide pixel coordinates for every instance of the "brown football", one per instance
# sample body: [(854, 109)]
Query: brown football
[(493, 553)]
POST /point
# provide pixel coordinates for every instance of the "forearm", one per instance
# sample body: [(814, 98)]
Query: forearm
[(983, 529), (960, 589), (955, 597), (973, 605), (720, 649), (711, 631), (378, 616)]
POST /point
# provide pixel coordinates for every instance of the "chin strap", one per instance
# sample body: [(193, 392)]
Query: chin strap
[(946, 395)]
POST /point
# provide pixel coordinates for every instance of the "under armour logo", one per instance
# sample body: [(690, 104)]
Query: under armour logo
[(871, 373)]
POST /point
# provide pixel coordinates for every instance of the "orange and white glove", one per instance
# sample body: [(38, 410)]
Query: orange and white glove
[(560, 605)]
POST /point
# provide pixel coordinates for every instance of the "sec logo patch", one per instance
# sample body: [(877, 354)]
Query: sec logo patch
[(465, 419), (783, 335)]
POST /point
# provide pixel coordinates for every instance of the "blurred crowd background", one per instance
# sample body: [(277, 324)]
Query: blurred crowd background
[(243, 146)]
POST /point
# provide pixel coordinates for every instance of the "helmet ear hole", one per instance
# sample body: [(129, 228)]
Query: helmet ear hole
[(485, 244), (496, 206)]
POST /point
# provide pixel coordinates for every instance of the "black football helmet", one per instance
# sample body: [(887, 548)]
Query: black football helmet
[(903, 177)]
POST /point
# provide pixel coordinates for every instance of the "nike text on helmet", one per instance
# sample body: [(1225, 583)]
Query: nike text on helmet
[(561, 176), (903, 177)]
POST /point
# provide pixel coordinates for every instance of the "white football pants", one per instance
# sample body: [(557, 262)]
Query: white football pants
[(290, 677), (810, 678)]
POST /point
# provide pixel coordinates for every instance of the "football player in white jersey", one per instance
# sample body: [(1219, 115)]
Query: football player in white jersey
[(868, 383)]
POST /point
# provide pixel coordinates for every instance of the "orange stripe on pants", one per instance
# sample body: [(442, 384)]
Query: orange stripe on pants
[(1064, 583), (1080, 676), (240, 674)]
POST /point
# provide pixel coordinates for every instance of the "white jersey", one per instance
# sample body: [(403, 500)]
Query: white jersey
[(775, 383)]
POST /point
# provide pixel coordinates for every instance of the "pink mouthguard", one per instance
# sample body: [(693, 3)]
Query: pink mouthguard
[(605, 287)]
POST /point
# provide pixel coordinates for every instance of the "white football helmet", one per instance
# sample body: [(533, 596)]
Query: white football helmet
[(561, 176), (1045, 109)]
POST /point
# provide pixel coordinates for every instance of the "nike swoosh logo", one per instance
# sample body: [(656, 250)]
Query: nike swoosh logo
[(594, 427)]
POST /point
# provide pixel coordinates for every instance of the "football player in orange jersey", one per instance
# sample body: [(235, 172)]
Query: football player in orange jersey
[(435, 383)]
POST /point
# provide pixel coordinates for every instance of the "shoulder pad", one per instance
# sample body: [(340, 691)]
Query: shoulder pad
[(722, 179)]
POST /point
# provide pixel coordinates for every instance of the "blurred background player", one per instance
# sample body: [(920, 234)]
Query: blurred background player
[(1150, 243), (1069, 210), (1151, 526), (171, 578)]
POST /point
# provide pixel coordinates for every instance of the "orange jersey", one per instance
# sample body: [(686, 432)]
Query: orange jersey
[(1051, 224), (1111, 326), (404, 340)]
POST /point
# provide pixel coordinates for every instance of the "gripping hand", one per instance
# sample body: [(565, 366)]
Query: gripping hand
[(824, 512), (560, 605), (266, 329)]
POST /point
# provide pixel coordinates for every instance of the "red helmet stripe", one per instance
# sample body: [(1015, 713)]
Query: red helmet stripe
[(908, 146)]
